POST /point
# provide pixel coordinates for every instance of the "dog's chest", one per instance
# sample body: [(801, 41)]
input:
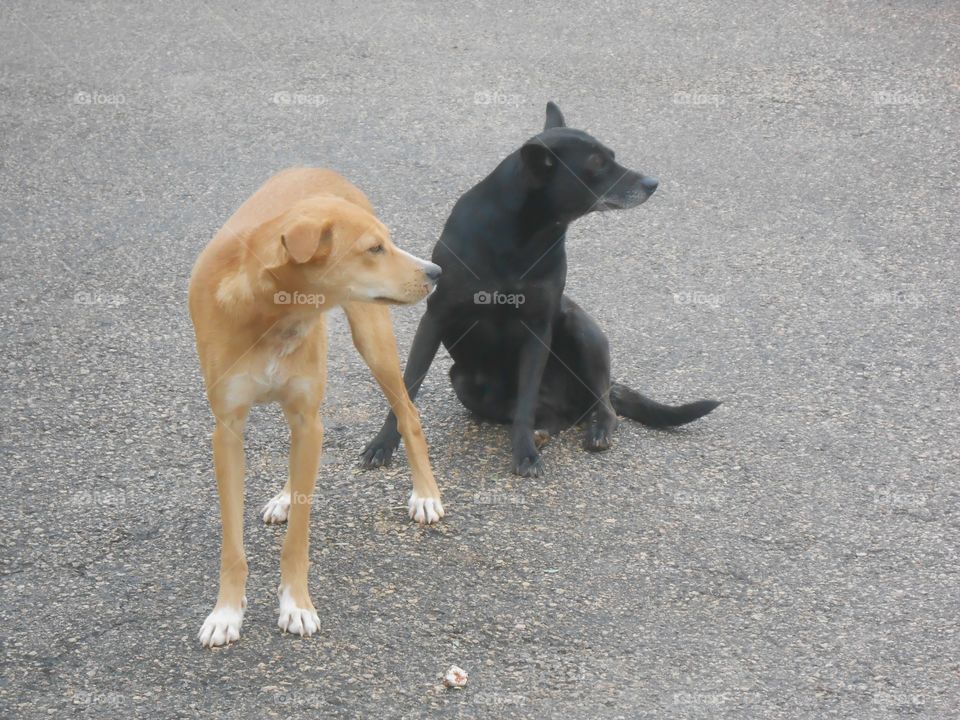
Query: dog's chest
[(273, 370), (286, 342)]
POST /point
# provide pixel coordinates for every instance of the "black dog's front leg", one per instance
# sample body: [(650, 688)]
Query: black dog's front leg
[(533, 359), (426, 342)]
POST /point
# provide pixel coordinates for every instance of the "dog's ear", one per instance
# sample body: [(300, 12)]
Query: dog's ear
[(538, 160), (302, 238), (554, 117)]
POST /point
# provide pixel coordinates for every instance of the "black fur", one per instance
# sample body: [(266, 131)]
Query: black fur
[(523, 352)]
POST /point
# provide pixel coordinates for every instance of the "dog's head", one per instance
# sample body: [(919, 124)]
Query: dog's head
[(577, 174), (336, 249)]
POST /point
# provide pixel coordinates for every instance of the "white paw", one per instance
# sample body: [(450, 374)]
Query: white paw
[(222, 626), (425, 510), (276, 509), (294, 619)]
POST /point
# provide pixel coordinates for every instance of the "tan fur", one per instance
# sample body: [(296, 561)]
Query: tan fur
[(305, 236)]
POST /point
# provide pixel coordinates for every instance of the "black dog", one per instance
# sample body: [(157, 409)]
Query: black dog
[(525, 353)]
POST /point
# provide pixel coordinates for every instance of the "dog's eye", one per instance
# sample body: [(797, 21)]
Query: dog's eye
[(596, 162), (377, 249)]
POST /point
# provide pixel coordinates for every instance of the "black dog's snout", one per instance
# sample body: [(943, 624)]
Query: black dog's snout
[(650, 184), (433, 272)]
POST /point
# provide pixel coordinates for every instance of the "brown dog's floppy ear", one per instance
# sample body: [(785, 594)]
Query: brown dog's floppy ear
[(303, 238), (538, 160), (554, 117)]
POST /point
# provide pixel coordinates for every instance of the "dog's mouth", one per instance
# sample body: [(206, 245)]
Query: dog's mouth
[(621, 203), (605, 204), (627, 193), (384, 300), (422, 290)]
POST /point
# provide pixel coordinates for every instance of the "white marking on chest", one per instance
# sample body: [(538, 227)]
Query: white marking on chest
[(263, 384)]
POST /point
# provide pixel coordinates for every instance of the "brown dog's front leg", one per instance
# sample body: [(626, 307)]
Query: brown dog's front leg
[(373, 337)]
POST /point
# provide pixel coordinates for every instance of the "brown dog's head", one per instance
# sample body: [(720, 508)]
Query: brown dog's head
[(336, 249)]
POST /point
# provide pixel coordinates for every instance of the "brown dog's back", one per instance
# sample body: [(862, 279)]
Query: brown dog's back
[(284, 190)]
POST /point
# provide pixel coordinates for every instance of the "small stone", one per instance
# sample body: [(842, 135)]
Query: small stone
[(455, 677)]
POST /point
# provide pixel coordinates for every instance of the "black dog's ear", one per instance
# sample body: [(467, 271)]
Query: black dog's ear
[(538, 159), (554, 117)]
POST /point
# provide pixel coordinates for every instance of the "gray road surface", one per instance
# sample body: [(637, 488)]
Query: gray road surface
[(794, 555)]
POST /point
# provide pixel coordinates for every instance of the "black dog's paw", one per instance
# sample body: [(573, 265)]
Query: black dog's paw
[(530, 466), (596, 438), (598, 434), (376, 454)]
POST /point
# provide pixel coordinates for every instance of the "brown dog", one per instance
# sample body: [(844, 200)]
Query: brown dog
[(305, 242)]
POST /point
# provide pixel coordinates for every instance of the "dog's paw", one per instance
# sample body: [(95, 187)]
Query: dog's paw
[(222, 626), (530, 466), (425, 510), (597, 438), (376, 454), (294, 618), (276, 509)]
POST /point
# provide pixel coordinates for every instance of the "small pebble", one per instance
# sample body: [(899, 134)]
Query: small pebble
[(455, 678)]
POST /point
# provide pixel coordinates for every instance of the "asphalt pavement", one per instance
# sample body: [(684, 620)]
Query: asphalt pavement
[(792, 555)]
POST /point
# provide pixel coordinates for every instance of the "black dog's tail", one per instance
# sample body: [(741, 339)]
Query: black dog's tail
[(635, 406)]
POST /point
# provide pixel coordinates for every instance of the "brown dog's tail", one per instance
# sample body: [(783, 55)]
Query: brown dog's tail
[(635, 406)]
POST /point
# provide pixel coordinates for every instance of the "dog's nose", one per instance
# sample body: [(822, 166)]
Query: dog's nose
[(650, 184), (432, 272)]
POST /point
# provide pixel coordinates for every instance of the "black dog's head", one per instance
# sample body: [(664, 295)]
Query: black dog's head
[(577, 174)]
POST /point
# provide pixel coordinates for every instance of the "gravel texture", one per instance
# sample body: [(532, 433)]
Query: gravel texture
[(793, 555)]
